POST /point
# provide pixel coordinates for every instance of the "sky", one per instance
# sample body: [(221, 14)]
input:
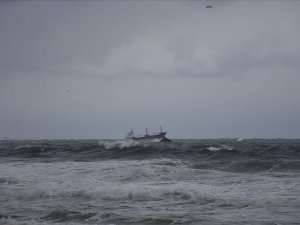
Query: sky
[(95, 69)]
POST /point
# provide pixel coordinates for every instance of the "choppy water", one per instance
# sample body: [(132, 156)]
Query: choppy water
[(220, 181)]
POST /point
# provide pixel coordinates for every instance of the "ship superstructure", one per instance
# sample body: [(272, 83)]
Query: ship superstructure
[(160, 135)]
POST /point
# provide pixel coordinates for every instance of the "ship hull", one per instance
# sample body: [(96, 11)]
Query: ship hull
[(150, 137)]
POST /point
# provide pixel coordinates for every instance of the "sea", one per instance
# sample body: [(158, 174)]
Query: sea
[(115, 182)]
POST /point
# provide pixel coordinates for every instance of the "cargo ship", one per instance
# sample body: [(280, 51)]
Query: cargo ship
[(161, 136)]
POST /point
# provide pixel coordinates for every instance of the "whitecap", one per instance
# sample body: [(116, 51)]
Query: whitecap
[(156, 140), (117, 144), (226, 147), (222, 147), (213, 148)]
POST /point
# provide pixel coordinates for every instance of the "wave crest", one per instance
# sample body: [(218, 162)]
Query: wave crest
[(118, 144), (63, 215)]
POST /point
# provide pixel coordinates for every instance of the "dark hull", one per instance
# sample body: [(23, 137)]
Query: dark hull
[(150, 137)]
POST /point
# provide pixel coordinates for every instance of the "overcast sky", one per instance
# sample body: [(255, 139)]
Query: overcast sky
[(95, 69)]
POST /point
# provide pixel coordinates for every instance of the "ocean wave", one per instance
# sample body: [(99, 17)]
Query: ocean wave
[(117, 144), (115, 192), (7, 181), (221, 147), (120, 218), (10, 221), (194, 150), (64, 215), (250, 166)]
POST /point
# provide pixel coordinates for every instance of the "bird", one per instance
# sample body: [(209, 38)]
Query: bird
[(209, 6)]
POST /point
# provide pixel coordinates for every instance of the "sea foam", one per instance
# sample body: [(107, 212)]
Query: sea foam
[(117, 144)]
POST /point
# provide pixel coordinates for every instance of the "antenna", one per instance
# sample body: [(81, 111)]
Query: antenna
[(146, 132), (160, 129)]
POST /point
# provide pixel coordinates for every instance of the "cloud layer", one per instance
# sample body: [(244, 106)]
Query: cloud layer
[(95, 69)]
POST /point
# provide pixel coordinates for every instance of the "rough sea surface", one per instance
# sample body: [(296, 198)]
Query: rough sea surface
[(192, 182)]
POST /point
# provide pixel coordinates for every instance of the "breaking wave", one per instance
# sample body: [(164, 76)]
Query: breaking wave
[(252, 155), (117, 144)]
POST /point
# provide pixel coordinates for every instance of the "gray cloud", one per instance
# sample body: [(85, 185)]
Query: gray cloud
[(229, 71), (112, 39)]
